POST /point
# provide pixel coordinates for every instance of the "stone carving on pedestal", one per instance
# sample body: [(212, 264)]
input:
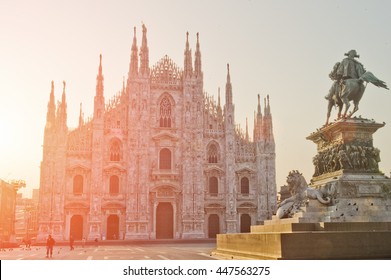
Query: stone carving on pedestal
[(346, 145)]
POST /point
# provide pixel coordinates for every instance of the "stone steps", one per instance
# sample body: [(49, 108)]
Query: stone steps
[(323, 226), (316, 245)]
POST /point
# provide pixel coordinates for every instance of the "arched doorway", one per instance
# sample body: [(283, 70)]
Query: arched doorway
[(164, 221), (112, 227), (213, 225), (245, 223), (76, 228)]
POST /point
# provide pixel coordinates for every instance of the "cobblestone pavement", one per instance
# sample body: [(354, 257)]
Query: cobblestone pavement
[(161, 251)]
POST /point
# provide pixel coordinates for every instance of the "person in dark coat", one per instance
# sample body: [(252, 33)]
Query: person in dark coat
[(71, 242), (49, 246)]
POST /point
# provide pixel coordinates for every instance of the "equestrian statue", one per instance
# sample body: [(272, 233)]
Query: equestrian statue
[(350, 80)]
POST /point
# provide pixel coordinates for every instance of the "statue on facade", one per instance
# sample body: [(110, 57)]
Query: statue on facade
[(348, 85), (301, 193)]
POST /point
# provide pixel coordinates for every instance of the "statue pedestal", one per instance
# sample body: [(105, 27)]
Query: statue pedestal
[(357, 223), (346, 146), (347, 160), (290, 240)]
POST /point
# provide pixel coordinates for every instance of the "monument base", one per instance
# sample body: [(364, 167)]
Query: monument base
[(308, 241), (354, 224)]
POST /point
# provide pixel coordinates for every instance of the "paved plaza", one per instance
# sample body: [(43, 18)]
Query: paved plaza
[(117, 251)]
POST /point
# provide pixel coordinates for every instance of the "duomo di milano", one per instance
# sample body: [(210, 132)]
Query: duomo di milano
[(160, 160)]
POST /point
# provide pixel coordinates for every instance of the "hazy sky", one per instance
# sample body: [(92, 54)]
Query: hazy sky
[(282, 48)]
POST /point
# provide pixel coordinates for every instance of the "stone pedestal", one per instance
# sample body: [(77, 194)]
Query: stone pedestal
[(347, 160), (346, 147), (293, 240), (357, 223)]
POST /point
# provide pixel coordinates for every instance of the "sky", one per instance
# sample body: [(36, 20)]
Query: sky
[(284, 49)]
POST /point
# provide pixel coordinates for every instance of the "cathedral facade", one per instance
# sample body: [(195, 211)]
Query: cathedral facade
[(160, 160)]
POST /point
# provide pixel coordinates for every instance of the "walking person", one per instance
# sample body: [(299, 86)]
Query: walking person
[(71, 242), (49, 246)]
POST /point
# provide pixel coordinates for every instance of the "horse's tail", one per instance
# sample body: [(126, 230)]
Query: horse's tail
[(370, 78)]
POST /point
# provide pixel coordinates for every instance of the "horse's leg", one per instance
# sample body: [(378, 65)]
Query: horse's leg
[(355, 109), (347, 105), (359, 93), (340, 106), (348, 86)]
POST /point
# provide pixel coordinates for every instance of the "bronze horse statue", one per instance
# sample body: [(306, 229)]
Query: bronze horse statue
[(341, 93)]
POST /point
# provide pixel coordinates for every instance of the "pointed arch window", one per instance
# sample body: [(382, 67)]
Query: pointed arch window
[(212, 154), (78, 184), (165, 159), (165, 113), (244, 186), (115, 151), (114, 185), (213, 186)]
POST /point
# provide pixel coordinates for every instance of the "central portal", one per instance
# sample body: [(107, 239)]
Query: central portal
[(213, 225), (164, 221), (76, 230), (112, 227)]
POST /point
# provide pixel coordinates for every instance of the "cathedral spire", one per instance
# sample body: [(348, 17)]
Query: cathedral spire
[(268, 122), (219, 109), (258, 122), (144, 53), (264, 105), (63, 97), (81, 122), (63, 107), (197, 60), (255, 126), (99, 98), (228, 89), (188, 67), (99, 79), (247, 136), (259, 106), (123, 86), (51, 114), (133, 67), (218, 98), (267, 109)]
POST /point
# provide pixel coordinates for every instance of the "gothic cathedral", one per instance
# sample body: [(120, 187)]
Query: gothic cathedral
[(160, 160)]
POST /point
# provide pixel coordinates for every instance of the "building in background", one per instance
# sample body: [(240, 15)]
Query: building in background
[(26, 217), (8, 194), (161, 159)]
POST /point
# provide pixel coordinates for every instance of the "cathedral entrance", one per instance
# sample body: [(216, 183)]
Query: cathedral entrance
[(164, 221), (76, 228), (112, 227), (213, 225), (245, 223)]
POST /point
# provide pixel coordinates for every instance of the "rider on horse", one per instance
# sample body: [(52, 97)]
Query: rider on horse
[(348, 68), (350, 80)]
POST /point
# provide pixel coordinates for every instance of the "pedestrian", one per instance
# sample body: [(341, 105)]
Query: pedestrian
[(49, 246), (28, 243), (71, 242), (84, 242)]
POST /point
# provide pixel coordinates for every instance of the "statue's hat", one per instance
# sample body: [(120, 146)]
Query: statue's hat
[(353, 52)]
